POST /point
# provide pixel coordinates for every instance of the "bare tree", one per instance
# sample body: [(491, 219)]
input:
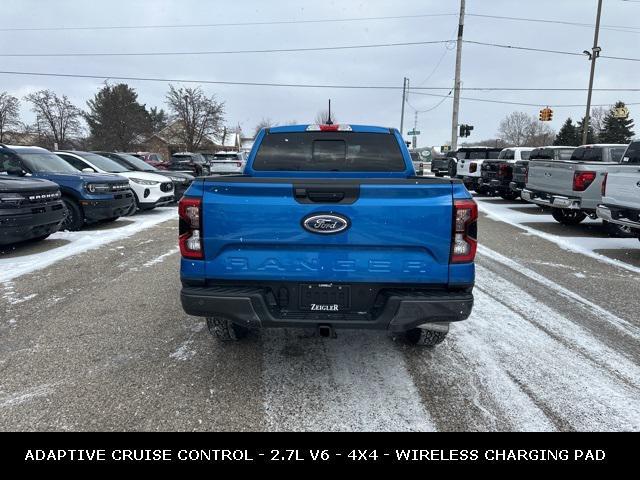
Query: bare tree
[(9, 114), (322, 117), (514, 128), (539, 134), (520, 128), (57, 118), (199, 114), (596, 120), (264, 123)]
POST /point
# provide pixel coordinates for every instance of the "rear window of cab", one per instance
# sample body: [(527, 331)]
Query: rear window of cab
[(329, 152)]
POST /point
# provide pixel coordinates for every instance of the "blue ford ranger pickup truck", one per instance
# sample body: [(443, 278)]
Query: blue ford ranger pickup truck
[(328, 227), (87, 197)]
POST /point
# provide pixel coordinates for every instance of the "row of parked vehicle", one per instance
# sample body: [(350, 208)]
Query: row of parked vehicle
[(42, 191), (199, 164), (595, 181)]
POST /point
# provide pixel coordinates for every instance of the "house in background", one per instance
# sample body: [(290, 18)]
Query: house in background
[(168, 141)]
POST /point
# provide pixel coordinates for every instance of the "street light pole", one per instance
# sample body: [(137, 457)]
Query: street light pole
[(456, 86), (595, 53), (405, 82)]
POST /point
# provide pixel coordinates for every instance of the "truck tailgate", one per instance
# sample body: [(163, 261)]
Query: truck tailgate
[(623, 187), (400, 230), (553, 177)]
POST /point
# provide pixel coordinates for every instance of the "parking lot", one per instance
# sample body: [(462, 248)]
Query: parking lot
[(93, 337)]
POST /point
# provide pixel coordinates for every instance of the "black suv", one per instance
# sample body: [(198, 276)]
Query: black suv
[(192, 163), (30, 208)]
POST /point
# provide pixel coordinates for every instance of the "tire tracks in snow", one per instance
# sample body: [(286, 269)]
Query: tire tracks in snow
[(358, 381)]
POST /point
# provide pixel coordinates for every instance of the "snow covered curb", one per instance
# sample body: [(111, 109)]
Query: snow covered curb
[(584, 246), (82, 241)]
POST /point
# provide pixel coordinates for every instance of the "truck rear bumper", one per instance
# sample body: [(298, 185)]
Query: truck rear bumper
[(551, 200), (402, 311), (620, 216)]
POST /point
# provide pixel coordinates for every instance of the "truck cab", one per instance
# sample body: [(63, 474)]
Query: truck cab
[(328, 228)]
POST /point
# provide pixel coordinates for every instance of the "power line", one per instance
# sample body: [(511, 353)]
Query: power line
[(326, 20), (561, 52), (304, 49), (222, 52), (620, 28), (505, 102), (216, 25), (416, 90)]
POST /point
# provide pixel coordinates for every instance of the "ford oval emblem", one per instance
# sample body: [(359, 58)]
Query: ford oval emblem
[(325, 223)]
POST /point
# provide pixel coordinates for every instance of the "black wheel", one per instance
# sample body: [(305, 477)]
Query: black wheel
[(426, 338), (74, 219), (568, 217), (40, 238), (225, 330), (617, 231), (482, 190), (510, 195)]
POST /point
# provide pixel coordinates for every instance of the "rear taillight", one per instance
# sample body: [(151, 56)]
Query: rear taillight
[(603, 187), (582, 180), (526, 175), (465, 231), (473, 167), (503, 170), (190, 228)]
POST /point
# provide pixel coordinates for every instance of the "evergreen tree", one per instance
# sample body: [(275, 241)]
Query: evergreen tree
[(617, 130), (591, 136), (159, 119), (116, 119), (568, 134)]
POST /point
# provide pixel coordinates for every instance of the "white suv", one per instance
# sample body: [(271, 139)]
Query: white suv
[(150, 190)]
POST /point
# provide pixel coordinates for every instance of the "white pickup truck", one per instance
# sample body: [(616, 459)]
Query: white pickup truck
[(469, 162), (572, 187), (621, 192)]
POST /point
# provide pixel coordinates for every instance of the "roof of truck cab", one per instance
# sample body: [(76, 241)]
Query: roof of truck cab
[(354, 128)]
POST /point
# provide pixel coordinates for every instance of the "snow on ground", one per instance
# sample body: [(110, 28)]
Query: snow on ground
[(357, 382), (78, 242), (513, 214)]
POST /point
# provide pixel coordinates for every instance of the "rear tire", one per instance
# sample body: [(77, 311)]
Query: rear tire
[(617, 231), (510, 195), (74, 219), (425, 338), (225, 330), (567, 217)]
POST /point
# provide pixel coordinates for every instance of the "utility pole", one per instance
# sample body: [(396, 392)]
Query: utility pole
[(415, 127), (456, 86), (595, 53), (405, 86)]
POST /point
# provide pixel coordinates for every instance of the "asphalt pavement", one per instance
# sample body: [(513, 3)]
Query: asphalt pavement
[(99, 341)]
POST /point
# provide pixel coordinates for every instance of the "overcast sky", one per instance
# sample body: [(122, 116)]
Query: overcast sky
[(481, 66)]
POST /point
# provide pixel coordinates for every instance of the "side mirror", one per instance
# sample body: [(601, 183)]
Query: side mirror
[(88, 170), (16, 171)]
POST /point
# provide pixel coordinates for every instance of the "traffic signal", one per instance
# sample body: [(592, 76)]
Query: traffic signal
[(465, 130), (546, 115)]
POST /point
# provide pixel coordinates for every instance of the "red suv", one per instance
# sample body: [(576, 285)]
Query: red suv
[(153, 159)]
